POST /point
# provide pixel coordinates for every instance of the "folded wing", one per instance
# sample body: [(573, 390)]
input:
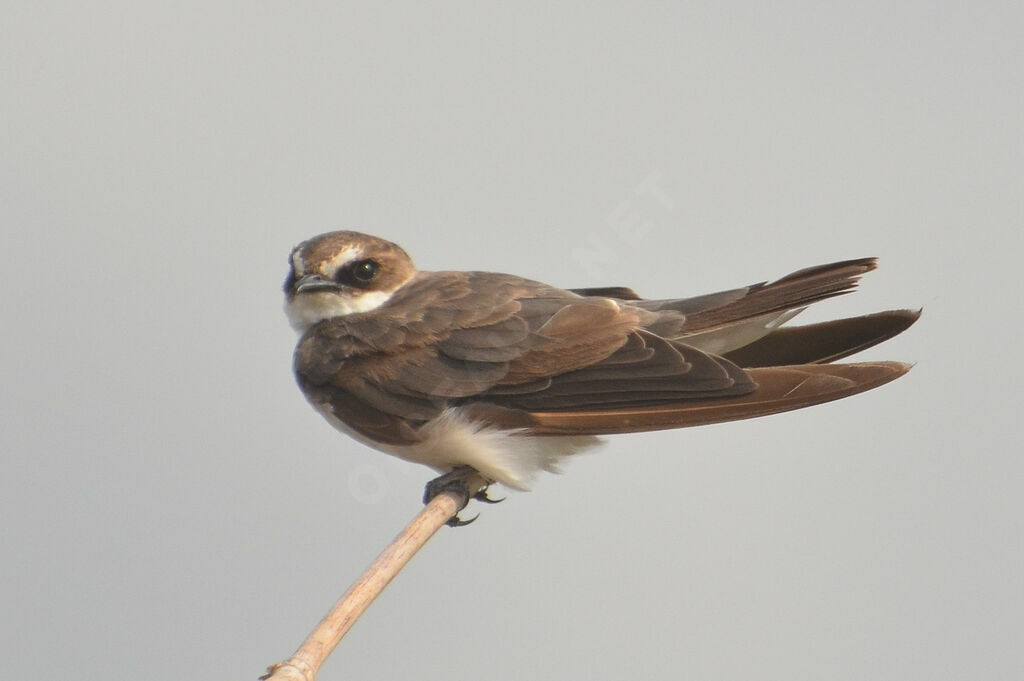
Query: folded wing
[(521, 354)]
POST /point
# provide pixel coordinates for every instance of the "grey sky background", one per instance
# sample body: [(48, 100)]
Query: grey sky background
[(172, 507)]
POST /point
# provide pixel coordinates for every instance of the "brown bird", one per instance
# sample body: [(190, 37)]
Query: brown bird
[(505, 376)]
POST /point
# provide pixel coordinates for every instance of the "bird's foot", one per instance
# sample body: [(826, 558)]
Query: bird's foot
[(482, 496), (457, 480)]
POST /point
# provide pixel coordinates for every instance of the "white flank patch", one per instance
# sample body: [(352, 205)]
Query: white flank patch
[(306, 309), (511, 457)]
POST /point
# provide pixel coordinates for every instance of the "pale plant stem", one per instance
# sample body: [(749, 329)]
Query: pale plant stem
[(306, 662)]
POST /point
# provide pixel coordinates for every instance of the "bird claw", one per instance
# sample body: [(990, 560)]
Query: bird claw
[(482, 496), (456, 521)]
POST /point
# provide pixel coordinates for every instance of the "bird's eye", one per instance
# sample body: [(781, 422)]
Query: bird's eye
[(365, 270)]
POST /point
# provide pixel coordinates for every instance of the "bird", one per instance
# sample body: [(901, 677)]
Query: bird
[(502, 376)]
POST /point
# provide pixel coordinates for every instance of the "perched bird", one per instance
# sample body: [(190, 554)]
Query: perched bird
[(493, 373)]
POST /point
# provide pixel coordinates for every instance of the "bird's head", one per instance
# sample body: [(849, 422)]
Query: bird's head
[(342, 273)]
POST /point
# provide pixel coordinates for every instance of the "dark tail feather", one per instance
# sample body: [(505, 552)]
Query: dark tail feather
[(824, 342), (792, 291)]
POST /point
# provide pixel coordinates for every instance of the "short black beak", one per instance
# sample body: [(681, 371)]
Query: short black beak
[(314, 282)]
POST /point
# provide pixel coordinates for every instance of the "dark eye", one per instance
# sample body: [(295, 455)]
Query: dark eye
[(358, 273), (365, 270)]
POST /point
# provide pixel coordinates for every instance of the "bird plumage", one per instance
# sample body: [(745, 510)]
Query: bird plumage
[(507, 375)]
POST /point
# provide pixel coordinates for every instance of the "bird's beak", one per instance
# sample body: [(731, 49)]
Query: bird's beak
[(314, 282)]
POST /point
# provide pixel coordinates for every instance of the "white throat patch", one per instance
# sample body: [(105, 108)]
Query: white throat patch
[(306, 309)]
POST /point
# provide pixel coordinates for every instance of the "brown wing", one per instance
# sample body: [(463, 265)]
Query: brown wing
[(647, 369), (779, 389), (451, 339), (526, 355)]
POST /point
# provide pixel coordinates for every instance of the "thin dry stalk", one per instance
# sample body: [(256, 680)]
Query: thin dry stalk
[(306, 662)]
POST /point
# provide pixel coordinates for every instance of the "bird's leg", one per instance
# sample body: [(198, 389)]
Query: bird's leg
[(457, 480)]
